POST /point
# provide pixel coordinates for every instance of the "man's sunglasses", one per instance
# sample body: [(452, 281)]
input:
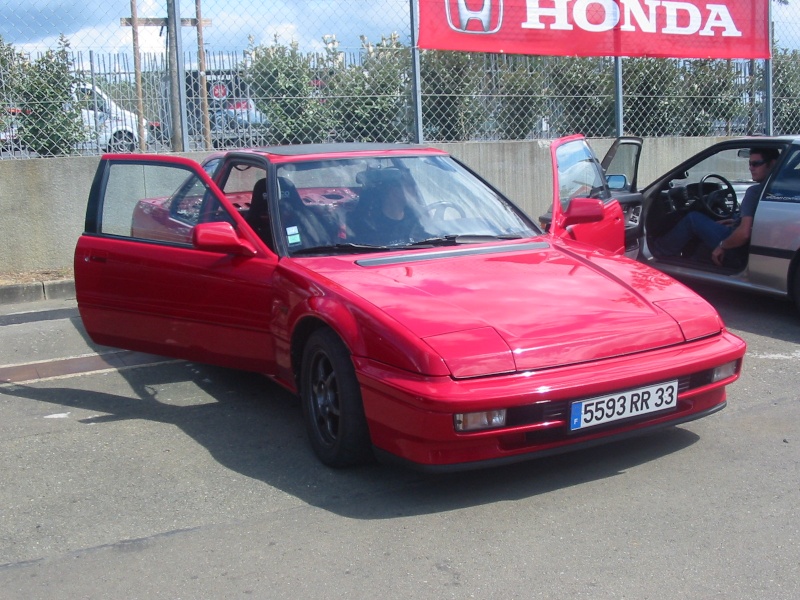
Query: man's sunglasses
[(757, 163)]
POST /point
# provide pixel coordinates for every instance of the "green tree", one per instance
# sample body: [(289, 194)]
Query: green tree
[(368, 99), (521, 90), (52, 124), (11, 67), (285, 85), (786, 92), (713, 97), (651, 88), (452, 94), (583, 90)]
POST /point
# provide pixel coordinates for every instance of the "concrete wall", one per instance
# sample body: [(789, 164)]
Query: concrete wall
[(43, 201)]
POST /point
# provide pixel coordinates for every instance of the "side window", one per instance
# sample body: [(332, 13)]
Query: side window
[(156, 202), (727, 163), (579, 174), (97, 100), (186, 203), (622, 167), (239, 181), (245, 187), (785, 186)]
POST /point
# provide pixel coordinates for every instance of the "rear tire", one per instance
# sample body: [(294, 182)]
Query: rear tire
[(332, 405), (122, 142)]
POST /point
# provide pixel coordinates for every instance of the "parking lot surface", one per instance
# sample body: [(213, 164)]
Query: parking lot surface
[(132, 476)]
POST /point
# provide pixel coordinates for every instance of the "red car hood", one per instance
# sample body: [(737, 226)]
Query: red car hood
[(522, 306)]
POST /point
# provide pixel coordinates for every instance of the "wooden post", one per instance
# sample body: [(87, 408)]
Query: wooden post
[(201, 67)]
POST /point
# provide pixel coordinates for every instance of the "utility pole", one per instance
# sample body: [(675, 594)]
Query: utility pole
[(137, 70), (201, 67), (177, 91)]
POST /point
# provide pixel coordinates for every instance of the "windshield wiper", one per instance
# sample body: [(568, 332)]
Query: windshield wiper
[(456, 240), (433, 242), (347, 248)]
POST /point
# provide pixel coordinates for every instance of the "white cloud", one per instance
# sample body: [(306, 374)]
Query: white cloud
[(35, 25)]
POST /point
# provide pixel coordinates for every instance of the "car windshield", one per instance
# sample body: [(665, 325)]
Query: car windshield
[(361, 204)]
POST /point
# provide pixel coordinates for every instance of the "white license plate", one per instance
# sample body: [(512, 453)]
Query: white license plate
[(623, 405)]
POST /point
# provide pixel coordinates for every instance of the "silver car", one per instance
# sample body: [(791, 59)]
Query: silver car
[(713, 181)]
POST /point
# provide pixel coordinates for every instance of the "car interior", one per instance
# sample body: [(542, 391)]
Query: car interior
[(715, 185)]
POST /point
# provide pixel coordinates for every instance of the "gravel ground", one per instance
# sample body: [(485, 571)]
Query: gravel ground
[(13, 277)]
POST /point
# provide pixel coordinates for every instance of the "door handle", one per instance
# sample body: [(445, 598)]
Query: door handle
[(96, 257)]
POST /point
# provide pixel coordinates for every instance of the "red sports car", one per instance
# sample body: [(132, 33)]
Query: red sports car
[(418, 314)]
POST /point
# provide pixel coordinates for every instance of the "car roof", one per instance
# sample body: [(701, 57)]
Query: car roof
[(762, 139), (300, 149), (339, 150)]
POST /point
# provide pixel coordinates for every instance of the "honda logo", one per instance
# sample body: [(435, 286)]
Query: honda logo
[(486, 19)]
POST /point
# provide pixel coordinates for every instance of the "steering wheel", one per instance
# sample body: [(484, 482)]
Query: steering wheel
[(715, 202), (438, 209)]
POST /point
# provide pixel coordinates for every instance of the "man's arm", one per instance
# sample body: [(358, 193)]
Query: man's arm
[(738, 237)]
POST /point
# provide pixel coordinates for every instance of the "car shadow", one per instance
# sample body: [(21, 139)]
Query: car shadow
[(253, 427)]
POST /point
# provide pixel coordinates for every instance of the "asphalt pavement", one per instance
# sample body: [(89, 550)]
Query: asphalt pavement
[(168, 479)]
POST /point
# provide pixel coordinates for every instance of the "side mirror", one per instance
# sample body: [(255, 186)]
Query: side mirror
[(618, 183), (220, 237), (583, 210)]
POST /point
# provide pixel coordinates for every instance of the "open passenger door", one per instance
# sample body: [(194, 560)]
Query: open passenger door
[(583, 207)]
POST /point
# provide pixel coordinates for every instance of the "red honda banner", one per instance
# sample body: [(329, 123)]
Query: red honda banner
[(651, 28)]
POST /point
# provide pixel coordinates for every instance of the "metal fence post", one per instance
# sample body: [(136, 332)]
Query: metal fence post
[(416, 91), (768, 116), (618, 98)]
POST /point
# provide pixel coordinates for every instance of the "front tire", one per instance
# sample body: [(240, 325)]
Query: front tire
[(122, 142), (332, 405)]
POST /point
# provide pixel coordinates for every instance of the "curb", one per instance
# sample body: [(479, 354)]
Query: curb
[(15, 293)]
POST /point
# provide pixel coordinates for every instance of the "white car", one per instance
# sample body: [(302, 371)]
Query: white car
[(109, 128), (712, 182)]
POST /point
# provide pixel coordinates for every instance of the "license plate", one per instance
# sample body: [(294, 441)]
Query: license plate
[(623, 405)]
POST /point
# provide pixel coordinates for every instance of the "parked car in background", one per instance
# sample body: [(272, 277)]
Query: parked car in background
[(713, 182), (108, 127), (236, 113), (419, 315), (9, 129), (233, 118)]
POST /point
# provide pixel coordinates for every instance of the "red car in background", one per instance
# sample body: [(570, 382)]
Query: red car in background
[(419, 315)]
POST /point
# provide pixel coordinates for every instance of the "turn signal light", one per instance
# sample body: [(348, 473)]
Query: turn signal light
[(480, 420), (724, 371)]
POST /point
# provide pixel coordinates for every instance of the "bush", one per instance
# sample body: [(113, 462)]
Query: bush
[(284, 84), (51, 123)]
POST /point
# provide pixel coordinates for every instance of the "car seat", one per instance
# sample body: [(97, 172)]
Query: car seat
[(302, 227), (258, 215)]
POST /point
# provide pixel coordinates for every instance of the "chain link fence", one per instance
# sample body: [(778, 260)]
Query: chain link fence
[(81, 80)]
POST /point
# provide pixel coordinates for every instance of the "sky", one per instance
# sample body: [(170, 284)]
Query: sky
[(34, 25)]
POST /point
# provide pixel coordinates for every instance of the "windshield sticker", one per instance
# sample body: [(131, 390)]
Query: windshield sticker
[(293, 235)]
